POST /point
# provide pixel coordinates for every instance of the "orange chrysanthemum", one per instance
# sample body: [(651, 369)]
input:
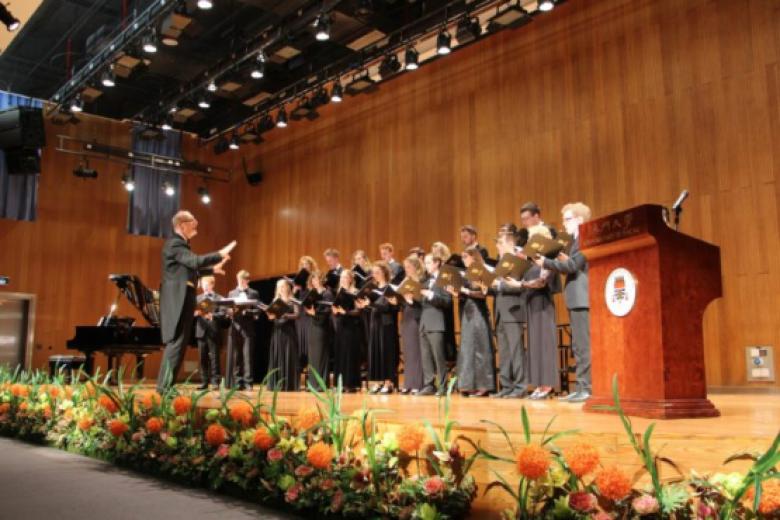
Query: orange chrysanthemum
[(5, 408), (613, 483), (19, 390), (182, 405), (770, 497), (263, 440), (320, 455), (308, 417), (154, 425), (242, 412), (216, 435), (107, 404), (85, 423), (151, 400), (23, 406), (581, 458), (533, 461), (117, 427), (47, 411), (410, 438)]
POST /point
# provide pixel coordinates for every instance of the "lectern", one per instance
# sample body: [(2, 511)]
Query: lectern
[(649, 287)]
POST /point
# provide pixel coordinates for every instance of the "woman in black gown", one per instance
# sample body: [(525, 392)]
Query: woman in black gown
[(319, 333), (349, 337), (302, 325), (383, 334), (476, 357), (283, 353), (410, 330)]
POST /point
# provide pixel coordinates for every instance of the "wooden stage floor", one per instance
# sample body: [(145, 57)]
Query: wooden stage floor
[(748, 422)]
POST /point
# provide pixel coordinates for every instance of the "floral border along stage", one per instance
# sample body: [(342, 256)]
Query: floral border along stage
[(325, 463)]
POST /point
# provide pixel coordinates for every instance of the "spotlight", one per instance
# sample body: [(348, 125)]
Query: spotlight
[(83, 171), (360, 84), (258, 71), (281, 118), (469, 29), (234, 144), (108, 79), (149, 43), (411, 59), (212, 86), (128, 182), (168, 189), (77, 105), (173, 109), (11, 22), (337, 92), (389, 66), (546, 5), (443, 43), (205, 4), (323, 27), (205, 198), (513, 16), (169, 41), (266, 123), (167, 123), (204, 103)]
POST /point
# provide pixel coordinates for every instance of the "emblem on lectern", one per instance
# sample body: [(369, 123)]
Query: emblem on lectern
[(620, 291)]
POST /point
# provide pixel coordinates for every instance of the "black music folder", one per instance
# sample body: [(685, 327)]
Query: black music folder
[(450, 275), (455, 260), (409, 286), (345, 300), (512, 266), (480, 273), (278, 308), (301, 278), (542, 246)]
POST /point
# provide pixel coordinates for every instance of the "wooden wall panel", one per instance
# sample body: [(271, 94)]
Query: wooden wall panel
[(615, 103), (79, 238)]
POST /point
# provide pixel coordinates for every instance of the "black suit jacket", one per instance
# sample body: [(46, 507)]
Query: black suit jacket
[(245, 322), (180, 267), (210, 328), (432, 317)]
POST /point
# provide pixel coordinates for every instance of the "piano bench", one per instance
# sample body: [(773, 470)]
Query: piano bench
[(66, 364)]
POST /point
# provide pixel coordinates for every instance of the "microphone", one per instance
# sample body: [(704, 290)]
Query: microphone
[(677, 206)]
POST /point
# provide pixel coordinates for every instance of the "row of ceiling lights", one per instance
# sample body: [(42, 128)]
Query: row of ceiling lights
[(128, 181)]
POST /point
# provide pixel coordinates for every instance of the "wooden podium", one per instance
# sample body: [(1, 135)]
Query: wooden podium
[(649, 286)]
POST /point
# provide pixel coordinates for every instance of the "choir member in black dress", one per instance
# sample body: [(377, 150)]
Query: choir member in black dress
[(349, 338), (476, 357), (410, 330), (442, 251), (386, 252), (320, 330), (360, 262), (303, 322), (383, 334), (283, 354)]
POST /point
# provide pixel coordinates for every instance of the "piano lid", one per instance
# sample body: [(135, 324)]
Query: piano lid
[(142, 298)]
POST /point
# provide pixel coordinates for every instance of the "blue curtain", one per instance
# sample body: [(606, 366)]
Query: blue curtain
[(18, 193), (150, 209)]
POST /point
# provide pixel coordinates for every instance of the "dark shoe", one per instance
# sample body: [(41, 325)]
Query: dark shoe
[(481, 393), (202, 386), (385, 390), (428, 390), (517, 394), (579, 397)]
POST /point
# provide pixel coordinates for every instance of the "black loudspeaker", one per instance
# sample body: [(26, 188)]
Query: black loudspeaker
[(22, 127), (254, 178), (22, 161)]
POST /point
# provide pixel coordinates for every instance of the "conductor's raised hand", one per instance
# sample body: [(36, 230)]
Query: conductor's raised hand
[(225, 251)]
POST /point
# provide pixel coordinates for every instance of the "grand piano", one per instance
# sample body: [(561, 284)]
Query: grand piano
[(114, 336)]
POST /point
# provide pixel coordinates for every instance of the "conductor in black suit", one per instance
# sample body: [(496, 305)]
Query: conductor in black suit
[(180, 270), (208, 333), (242, 333)]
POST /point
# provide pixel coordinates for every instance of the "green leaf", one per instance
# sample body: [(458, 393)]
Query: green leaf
[(502, 430), (526, 425)]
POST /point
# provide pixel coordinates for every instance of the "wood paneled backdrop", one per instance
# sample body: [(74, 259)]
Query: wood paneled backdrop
[(614, 103)]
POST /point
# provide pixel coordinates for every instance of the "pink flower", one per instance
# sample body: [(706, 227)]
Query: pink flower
[(303, 471), (601, 516), (338, 501), (645, 505), (433, 486), (293, 492), (275, 455), (582, 502), (705, 511), (327, 484), (222, 451)]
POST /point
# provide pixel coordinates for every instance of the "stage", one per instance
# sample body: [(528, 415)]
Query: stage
[(748, 422)]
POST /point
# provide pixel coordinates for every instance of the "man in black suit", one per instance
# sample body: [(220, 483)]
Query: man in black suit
[(242, 334), (333, 261), (386, 251), (180, 270), (208, 333), (530, 216), (510, 315), (433, 330), (468, 236)]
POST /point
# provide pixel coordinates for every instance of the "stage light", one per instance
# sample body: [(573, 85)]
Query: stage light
[(281, 118), (169, 41), (128, 182), (205, 4), (469, 29), (77, 105), (323, 27), (360, 84), (389, 66), (168, 123), (265, 124), (337, 92), (443, 43), (173, 109), (512, 16), (546, 5), (234, 144), (108, 79), (204, 103), (83, 171), (11, 22), (212, 87), (149, 43), (205, 198), (258, 71), (411, 59), (168, 189)]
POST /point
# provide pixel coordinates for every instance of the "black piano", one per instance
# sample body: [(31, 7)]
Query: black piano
[(114, 336)]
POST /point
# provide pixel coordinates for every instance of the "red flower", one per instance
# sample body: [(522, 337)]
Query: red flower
[(107, 404), (263, 440), (223, 451), (303, 471), (433, 486), (181, 405), (293, 492), (275, 455), (613, 483), (582, 501), (338, 501), (4, 408), (216, 435), (154, 425), (117, 427), (533, 461)]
